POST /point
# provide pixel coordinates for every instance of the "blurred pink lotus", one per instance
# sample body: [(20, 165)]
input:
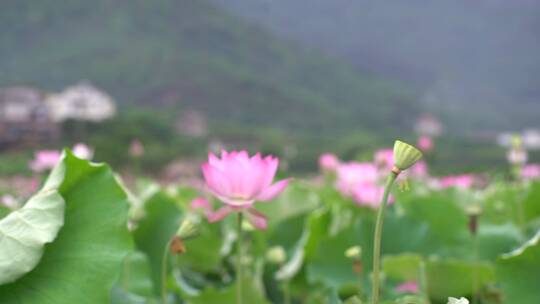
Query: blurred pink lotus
[(464, 181), (202, 203), (429, 125), (9, 201), (517, 156), (351, 175), (419, 170), (384, 158), (425, 143), (238, 181), (531, 171), (328, 162), (33, 184), (136, 149), (44, 160), (408, 287), (369, 195), (83, 151)]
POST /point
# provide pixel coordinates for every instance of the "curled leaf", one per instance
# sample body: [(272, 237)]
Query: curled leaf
[(24, 233)]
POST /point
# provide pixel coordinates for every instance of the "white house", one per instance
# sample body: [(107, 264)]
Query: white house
[(21, 104), (81, 102), (24, 118)]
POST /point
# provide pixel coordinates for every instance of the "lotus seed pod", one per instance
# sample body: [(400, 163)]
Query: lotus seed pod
[(517, 142), (276, 255), (473, 209), (405, 155), (354, 252), (188, 229)]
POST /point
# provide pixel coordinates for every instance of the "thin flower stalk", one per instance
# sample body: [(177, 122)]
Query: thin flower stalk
[(239, 259), (405, 156), (164, 266), (424, 288), (378, 237)]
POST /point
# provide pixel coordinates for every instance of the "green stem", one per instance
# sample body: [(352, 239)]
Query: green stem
[(475, 271), (164, 264), (521, 215), (286, 292), (127, 271), (377, 238), (423, 282), (240, 255), (360, 285)]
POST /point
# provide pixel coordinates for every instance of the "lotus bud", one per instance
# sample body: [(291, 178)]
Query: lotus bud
[(188, 230), (405, 156), (473, 210), (354, 253), (517, 142), (276, 255)]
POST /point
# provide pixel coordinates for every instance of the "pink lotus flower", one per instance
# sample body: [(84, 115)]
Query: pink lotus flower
[(353, 174), (463, 181), (369, 195), (44, 160), (425, 143), (408, 287), (82, 151), (384, 158), (238, 181), (419, 170), (531, 171), (328, 162), (256, 218)]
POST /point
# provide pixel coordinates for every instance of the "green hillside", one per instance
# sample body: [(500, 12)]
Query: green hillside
[(457, 53), (191, 54)]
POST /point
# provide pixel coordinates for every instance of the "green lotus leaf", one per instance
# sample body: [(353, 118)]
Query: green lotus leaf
[(518, 273), (461, 274), (24, 233), (251, 294), (160, 223), (135, 284), (82, 264)]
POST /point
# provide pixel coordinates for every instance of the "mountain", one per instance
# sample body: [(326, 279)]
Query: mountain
[(194, 55), (475, 63)]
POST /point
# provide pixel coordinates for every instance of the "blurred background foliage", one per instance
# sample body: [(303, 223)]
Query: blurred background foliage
[(258, 88)]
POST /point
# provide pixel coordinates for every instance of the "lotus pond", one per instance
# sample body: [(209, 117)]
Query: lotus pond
[(243, 237)]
